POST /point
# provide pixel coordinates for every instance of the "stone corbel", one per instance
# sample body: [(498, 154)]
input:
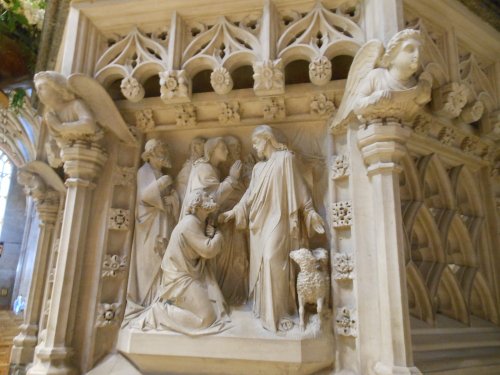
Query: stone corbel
[(449, 100), (175, 86)]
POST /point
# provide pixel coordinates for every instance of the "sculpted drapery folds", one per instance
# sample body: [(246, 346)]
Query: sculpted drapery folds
[(157, 210), (277, 209), (189, 299)]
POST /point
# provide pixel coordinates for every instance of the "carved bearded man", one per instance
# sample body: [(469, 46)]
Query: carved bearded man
[(157, 209), (277, 209)]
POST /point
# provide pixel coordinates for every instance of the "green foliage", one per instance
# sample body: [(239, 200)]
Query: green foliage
[(16, 99)]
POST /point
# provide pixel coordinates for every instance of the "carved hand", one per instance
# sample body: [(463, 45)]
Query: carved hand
[(210, 231), (317, 223), (164, 182), (235, 170), (226, 217), (53, 121)]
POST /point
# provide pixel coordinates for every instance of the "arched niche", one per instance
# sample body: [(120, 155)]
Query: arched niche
[(297, 71)]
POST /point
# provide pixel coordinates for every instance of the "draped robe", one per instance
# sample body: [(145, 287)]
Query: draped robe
[(152, 222), (275, 208)]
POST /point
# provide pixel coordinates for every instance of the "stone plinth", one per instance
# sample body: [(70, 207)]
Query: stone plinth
[(244, 349)]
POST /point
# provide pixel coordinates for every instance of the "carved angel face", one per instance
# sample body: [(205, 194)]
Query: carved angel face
[(407, 58), (48, 95)]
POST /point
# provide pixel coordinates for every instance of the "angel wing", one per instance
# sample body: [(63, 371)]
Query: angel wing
[(101, 105), (365, 60), (49, 176)]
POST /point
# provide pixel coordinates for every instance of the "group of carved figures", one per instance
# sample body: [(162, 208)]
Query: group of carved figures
[(201, 241)]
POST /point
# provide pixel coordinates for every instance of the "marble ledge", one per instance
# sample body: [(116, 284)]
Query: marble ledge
[(245, 348)]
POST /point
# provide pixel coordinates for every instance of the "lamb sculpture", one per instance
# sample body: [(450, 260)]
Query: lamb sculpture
[(313, 280)]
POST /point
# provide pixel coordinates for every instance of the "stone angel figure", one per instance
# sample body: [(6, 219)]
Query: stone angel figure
[(383, 83), (78, 108)]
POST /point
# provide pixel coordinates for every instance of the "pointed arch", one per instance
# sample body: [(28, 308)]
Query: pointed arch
[(419, 295), (451, 302)]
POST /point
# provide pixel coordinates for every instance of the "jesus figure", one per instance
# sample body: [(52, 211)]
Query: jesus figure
[(278, 211)]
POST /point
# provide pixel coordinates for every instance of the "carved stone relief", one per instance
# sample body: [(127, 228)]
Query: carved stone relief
[(340, 166), (144, 119), (346, 322), (108, 314), (185, 115), (341, 214), (221, 81), (449, 100), (343, 264), (119, 219), (174, 86), (268, 77), (113, 265), (230, 113), (123, 176), (321, 105), (274, 108), (447, 136)]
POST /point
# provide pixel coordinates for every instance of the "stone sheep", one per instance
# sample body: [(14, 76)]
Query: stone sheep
[(313, 280)]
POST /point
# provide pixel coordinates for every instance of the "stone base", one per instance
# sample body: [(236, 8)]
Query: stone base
[(246, 348)]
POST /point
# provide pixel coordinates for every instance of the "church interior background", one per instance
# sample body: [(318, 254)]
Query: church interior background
[(254, 187)]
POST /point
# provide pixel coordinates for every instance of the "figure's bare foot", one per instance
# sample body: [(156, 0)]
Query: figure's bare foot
[(286, 324)]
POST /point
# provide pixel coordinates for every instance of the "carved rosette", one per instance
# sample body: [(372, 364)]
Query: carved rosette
[(320, 71), (274, 109), (230, 113), (113, 265), (108, 314), (119, 219), (346, 322), (447, 136), (185, 115), (268, 77), (340, 166), (448, 100), (321, 105), (343, 265), (144, 120), (472, 112), (221, 81), (132, 89), (341, 214), (123, 176), (175, 86), (469, 145)]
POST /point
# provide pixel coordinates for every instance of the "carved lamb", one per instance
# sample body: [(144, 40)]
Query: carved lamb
[(313, 280)]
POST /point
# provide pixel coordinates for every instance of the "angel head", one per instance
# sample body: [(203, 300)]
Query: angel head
[(52, 89), (402, 54), (156, 154)]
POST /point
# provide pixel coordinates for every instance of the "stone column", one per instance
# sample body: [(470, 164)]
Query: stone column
[(382, 146), (82, 163), (47, 205)]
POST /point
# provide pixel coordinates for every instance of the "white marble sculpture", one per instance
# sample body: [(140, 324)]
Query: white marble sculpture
[(313, 282), (189, 300), (383, 82), (278, 211), (157, 210), (205, 173), (195, 152), (231, 265)]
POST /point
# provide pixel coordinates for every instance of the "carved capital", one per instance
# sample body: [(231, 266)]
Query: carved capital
[(83, 160), (268, 77), (175, 86), (448, 100), (382, 145)]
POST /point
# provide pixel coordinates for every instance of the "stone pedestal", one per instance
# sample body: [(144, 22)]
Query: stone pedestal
[(25, 342), (82, 162), (382, 145)]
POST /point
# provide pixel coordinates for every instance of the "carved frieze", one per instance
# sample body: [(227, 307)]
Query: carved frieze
[(229, 113), (144, 119), (274, 108), (175, 86), (341, 214), (343, 265), (346, 322), (321, 105), (108, 314), (185, 115), (113, 265), (340, 166), (221, 81), (119, 219)]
